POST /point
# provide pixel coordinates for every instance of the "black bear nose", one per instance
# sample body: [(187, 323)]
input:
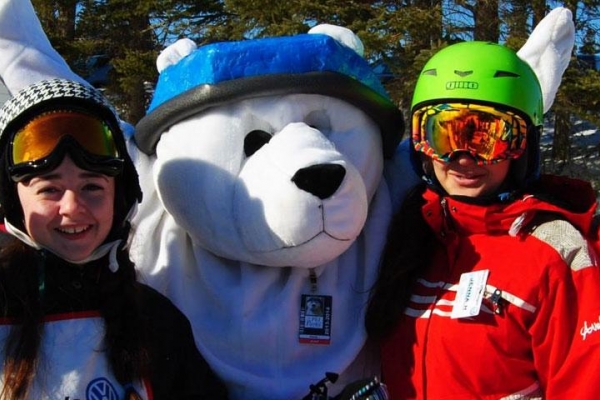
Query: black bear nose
[(322, 180)]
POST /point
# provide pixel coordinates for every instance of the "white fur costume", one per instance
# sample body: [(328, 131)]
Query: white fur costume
[(231, 240), (253, 235)]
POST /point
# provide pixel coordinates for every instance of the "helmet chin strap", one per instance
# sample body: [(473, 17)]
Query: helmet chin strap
[(99, 252)]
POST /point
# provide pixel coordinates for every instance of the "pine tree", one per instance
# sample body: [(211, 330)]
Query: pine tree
[(399, 36)]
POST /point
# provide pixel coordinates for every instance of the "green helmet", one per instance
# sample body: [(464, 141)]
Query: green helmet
[(480, 72)]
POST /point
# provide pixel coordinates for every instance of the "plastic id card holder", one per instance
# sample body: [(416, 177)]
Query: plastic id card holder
[(315, 319)]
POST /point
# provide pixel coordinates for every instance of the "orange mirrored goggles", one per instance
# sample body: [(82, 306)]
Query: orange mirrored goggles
[(488, 134), (33, 145)]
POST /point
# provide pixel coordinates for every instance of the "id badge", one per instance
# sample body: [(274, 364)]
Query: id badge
[(469, 296), (315, 319)]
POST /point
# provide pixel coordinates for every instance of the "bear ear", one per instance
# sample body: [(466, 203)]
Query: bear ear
[(343, 35), (174, 53), (548, 51)]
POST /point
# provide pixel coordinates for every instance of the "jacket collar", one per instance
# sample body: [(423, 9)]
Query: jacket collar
[(570, 199)]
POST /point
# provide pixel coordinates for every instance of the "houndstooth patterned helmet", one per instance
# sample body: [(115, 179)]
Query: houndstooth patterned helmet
[(52, 90)]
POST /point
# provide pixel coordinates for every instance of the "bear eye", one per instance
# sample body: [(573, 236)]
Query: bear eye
[(319, 120), (254, 140)]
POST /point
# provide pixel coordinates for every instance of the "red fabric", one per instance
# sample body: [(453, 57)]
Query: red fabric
[(546, 339)]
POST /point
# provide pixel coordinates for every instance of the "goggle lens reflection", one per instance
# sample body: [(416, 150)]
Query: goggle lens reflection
[(488, 134), (37, 139)]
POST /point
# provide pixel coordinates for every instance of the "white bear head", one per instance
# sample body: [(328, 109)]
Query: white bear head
[(269, 151)]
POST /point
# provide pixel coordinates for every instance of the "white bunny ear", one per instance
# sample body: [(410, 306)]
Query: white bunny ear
[(342, 35), (174, 53), (548, 51), (27, 55)]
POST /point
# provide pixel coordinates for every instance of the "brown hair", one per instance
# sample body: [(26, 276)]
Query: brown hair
[(406, 254)]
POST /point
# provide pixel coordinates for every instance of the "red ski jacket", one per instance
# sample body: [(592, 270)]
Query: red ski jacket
[(534, 330)]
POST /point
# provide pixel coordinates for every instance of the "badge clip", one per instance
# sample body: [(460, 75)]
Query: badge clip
[(497, 301)]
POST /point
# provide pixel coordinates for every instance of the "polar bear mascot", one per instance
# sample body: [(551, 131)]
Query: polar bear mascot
[(265, 209), (270, 170)]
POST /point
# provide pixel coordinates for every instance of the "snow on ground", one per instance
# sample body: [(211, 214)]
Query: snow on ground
[(585, 153)]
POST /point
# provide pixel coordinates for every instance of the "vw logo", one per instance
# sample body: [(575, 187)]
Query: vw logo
[(101, 389)]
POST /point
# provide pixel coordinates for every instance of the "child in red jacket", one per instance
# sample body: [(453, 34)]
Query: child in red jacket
[(488, 287)]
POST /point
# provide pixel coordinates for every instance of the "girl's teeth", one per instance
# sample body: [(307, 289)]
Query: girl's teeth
[(73, 230)]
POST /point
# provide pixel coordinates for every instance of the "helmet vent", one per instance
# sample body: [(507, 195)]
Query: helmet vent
[(463, 73), (430, 72), (505, 74)]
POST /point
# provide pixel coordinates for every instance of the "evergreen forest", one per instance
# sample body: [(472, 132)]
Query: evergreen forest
[(125, 37)]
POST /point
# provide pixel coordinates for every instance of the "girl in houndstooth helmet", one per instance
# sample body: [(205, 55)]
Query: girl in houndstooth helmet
[(74, 322)]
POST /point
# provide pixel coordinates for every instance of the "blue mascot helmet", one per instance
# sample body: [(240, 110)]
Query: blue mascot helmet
[(222, 73)]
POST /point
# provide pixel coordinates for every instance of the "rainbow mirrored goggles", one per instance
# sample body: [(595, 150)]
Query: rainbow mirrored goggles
[(488, 134), (43, 142)]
